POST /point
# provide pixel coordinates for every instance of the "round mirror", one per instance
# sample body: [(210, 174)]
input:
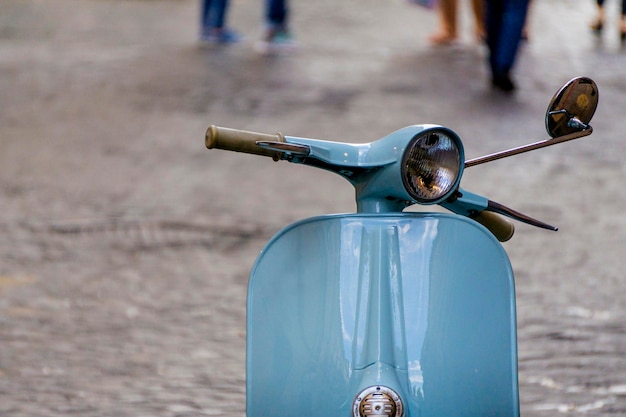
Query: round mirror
[(573, 104)]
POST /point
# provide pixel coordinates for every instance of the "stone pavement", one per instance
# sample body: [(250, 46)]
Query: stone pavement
[(126, 245)]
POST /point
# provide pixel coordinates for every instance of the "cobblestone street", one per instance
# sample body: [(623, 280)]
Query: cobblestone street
[(126, 244)]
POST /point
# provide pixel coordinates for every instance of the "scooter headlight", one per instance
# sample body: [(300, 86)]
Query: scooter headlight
[(432, 165)]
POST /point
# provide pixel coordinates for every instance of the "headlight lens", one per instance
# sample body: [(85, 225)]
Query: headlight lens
[(431, 165)]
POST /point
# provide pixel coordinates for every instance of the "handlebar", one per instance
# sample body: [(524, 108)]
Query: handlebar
[(501, 228), (241, 141), (271, 145)]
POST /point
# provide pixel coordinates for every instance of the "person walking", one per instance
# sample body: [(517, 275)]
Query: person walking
[(277, 37), (598, 24), (212, 23), (505, 20), (448, 21)]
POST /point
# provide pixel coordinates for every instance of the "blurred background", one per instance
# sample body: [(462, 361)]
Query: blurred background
[(126, 245)]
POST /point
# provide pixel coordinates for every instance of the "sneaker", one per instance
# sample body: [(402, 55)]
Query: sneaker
[(214, 37), (276, 42)]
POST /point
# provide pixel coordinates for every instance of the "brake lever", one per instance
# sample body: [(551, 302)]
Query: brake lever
[(284, 147), (509, 212), (470, 204)]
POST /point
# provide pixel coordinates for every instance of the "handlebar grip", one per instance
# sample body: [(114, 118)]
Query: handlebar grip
[(241, 141), (501, 228)]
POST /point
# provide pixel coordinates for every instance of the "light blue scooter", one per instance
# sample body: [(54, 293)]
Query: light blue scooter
[(384, 312)]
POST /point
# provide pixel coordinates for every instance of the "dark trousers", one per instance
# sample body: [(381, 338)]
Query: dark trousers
[(504, 21), (213, 14), (276, 13)]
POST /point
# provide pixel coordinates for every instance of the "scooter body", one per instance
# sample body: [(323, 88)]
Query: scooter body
[(386, 312), (420, 305)]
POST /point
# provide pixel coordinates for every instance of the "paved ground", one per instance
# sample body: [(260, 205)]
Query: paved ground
[(126, 245)]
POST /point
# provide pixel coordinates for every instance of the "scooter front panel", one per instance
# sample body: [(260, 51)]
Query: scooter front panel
[(422, 304)]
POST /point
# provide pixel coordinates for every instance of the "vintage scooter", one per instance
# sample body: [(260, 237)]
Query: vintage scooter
[(384, 312)]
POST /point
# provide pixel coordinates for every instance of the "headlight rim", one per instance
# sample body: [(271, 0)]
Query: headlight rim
[(456, 140)]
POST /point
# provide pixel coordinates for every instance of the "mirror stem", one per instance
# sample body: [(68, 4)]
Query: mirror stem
[(530, 147)]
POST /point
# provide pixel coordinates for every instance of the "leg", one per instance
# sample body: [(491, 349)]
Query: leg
[(277, 39), (494, 10), (447, 31), (205, 6), (525, 31), (505, 22), (213, 19), (478, 7), (598, 23), (622, 23), (217, 13), (276, 13)]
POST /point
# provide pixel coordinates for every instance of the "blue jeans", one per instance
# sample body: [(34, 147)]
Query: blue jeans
[(276, 14), (213, 14), (504, 21)]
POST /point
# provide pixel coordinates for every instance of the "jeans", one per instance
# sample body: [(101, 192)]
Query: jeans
[(276, 13), (213, 14), (505, 22)]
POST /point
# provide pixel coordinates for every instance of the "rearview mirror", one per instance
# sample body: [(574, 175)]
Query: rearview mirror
[(572, 107)]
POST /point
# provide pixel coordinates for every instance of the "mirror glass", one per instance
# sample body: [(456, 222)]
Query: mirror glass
[(576, 99)]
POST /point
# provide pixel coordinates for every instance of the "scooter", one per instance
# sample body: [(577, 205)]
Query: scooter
[(384, 312)]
